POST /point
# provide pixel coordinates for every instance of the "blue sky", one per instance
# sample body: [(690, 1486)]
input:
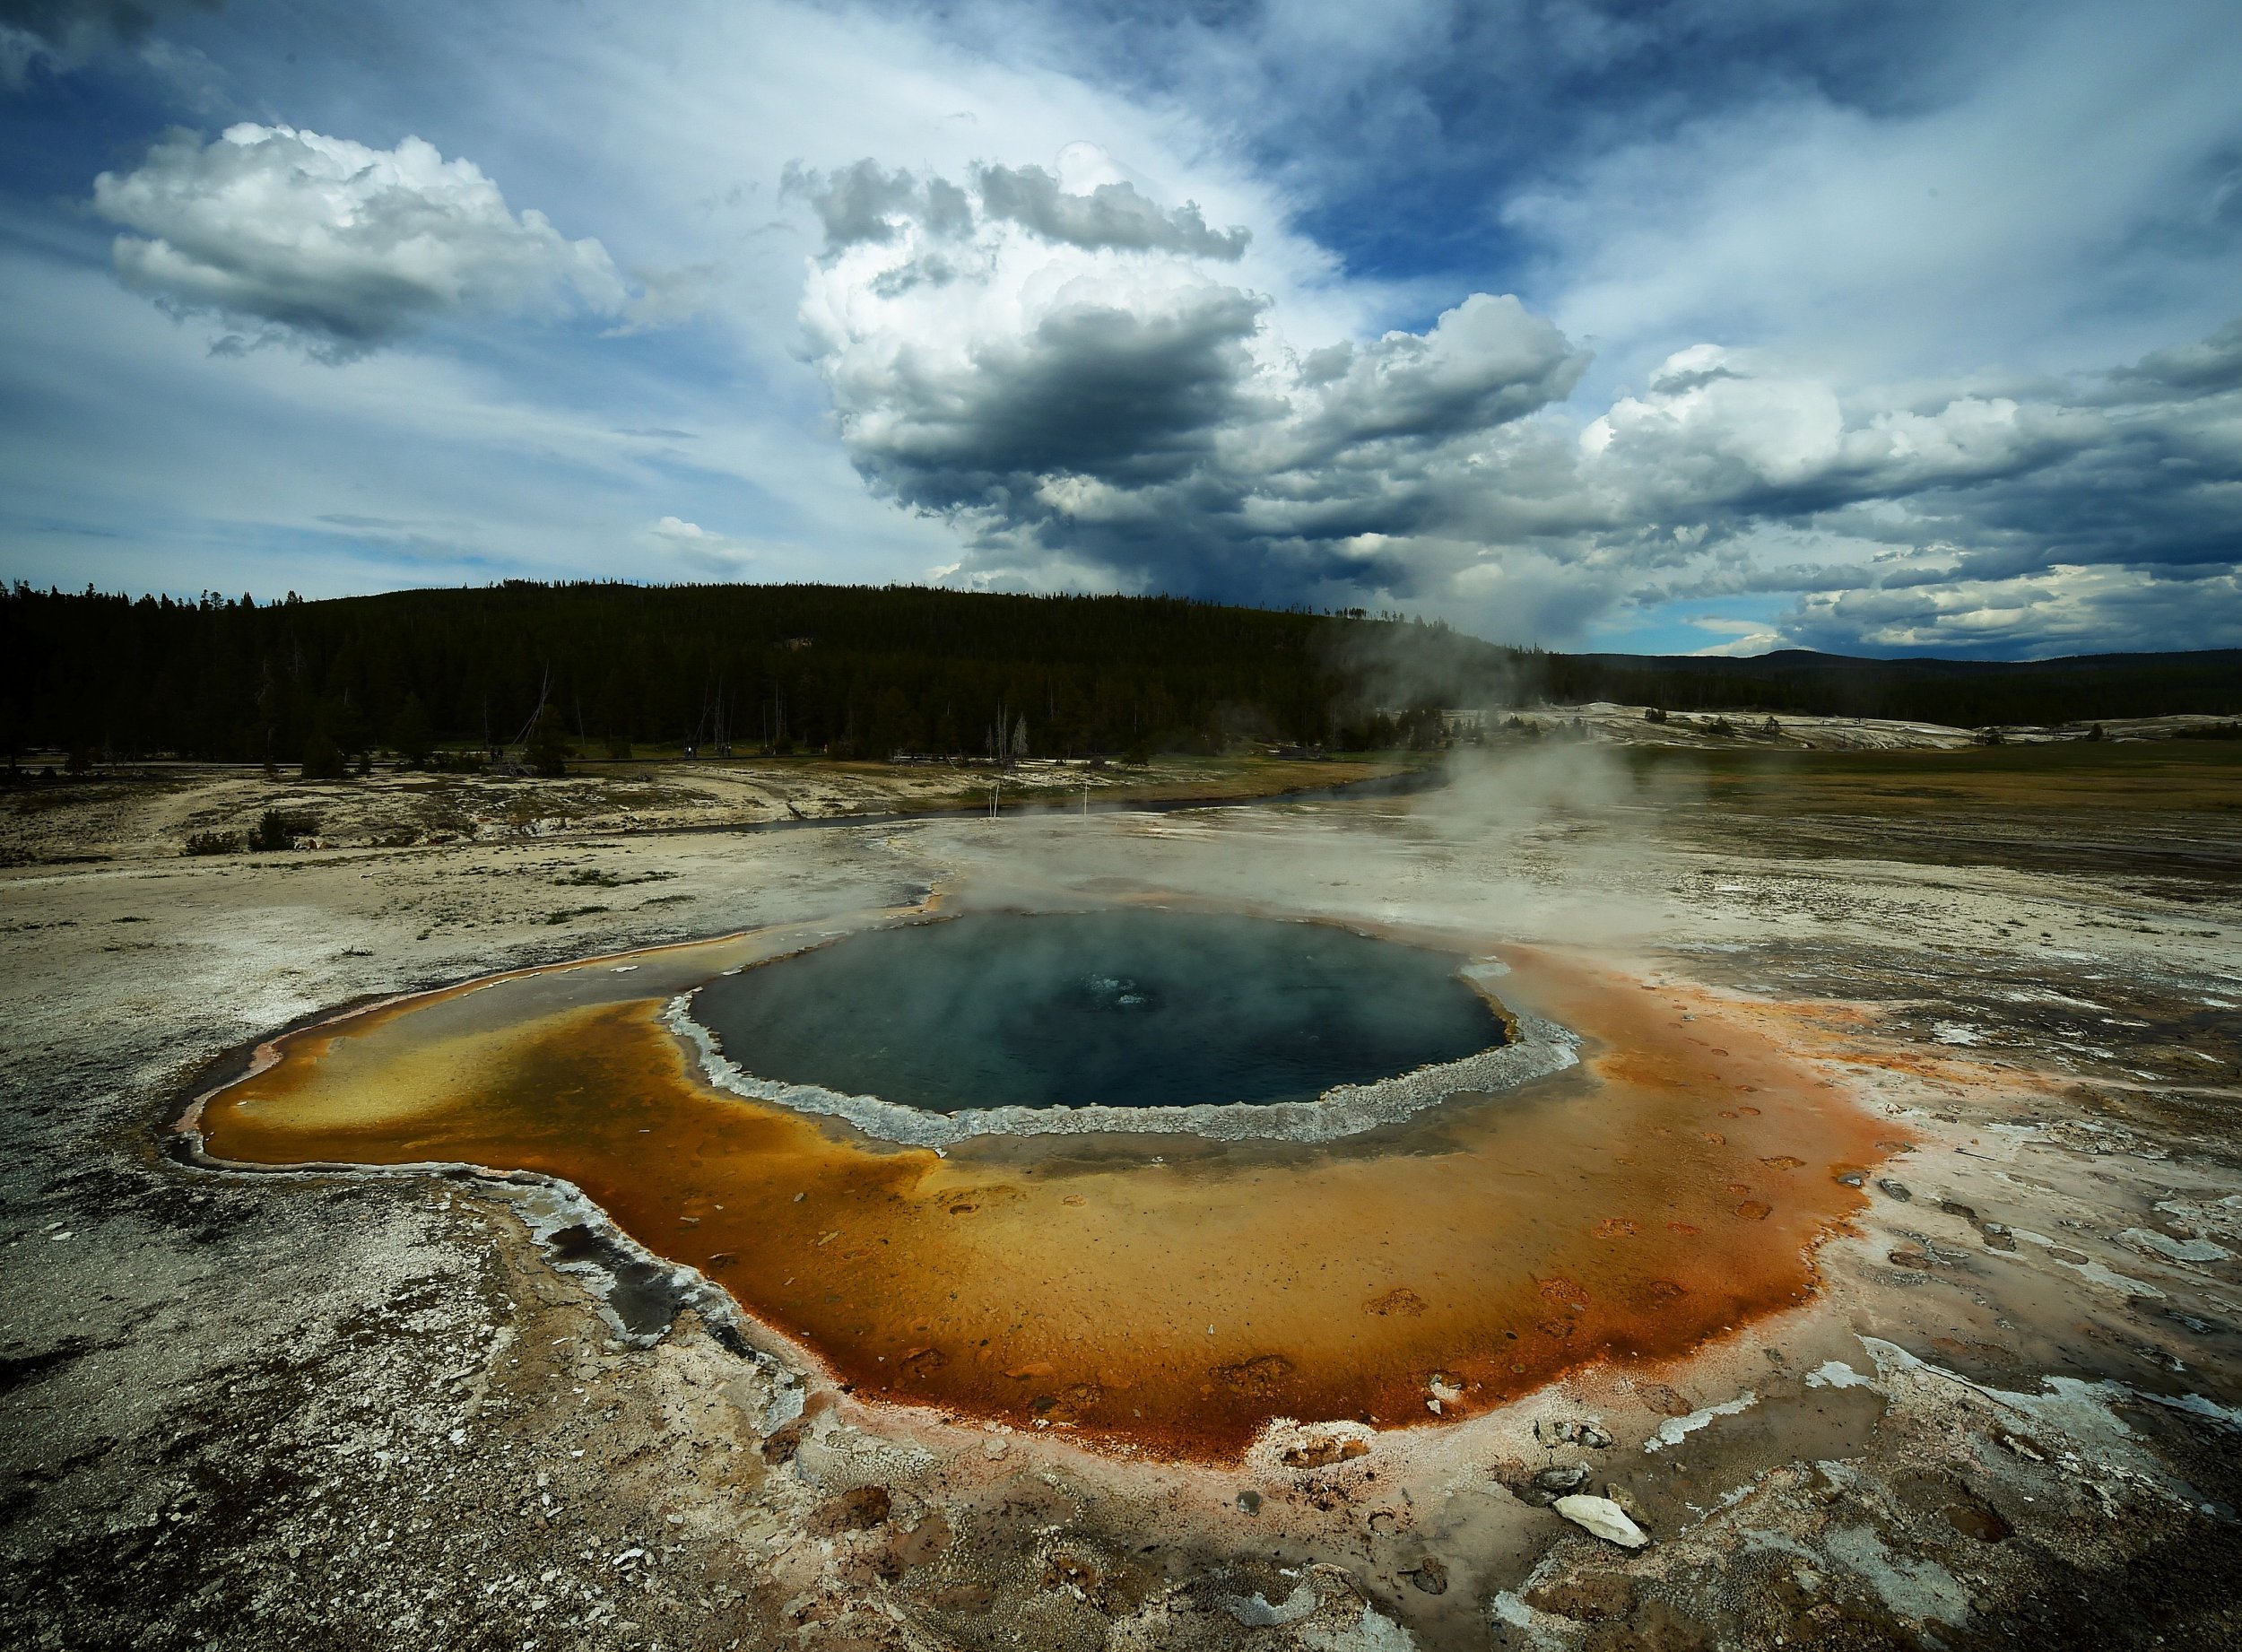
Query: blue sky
[(1698, 325)]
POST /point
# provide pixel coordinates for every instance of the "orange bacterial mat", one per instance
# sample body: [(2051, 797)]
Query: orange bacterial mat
[(1154, 1291)]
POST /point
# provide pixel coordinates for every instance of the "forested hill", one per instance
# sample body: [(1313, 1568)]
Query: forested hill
[(849, 670), (856, 671), (1963, 693)]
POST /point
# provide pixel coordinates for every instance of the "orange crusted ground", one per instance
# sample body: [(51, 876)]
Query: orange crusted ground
[(1169, 1295)]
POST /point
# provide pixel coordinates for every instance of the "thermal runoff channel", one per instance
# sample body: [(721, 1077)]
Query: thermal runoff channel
[(1132, 1008)]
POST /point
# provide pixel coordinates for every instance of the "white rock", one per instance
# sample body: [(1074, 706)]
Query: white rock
[(1602, 1517), (2179, 1250)]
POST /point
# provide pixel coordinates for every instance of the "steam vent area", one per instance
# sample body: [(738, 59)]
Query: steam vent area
[(1581, 1201)]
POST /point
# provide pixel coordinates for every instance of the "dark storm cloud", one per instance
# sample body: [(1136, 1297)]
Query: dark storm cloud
[(76, 27), (1094, 391), (61, 35), (2101, 519), (2210, 366), (1487, 362)]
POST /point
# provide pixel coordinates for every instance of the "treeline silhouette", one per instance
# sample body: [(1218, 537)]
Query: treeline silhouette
[(1961, 693), (862, 672)]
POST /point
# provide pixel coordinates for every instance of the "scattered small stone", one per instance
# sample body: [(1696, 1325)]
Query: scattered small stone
[(1853, 1179), (1563, 1477), (1249, 1502), (1603, 1518), (1895, 1189), (1325, 1452), (1430, 1575)]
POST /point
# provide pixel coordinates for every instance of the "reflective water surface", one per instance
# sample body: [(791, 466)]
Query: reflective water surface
[(1125, 1008)]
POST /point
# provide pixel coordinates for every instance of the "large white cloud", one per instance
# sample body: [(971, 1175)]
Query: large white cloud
[(1083, 384), (335, 244), (1114, 407)]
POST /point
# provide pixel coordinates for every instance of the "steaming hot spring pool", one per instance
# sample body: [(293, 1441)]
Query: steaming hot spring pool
[(1124, 1009), (1154, 1177)]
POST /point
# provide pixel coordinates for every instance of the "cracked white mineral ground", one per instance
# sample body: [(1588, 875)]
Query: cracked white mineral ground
[(412, 1409)]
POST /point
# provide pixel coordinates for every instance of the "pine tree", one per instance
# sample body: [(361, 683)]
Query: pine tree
[(410, 738), (546, 751)]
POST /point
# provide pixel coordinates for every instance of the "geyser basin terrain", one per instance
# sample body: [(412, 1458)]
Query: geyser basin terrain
[(1668, 1188), (1136, 1020)]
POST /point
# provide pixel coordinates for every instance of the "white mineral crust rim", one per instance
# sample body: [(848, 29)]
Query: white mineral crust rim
[(1536, 1049)]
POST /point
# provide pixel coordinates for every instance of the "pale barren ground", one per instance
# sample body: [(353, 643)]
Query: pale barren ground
[(367, 1410), (132, 811)]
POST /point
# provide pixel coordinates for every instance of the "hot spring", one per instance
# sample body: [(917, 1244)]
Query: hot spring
[(1119, 1009), (1154, 1176)]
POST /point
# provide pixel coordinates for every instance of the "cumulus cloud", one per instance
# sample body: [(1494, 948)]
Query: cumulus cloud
[(337, 246), (1718, 431), (1107, 214), (1068, 376), (1090, 408), (1076, 208), (1994, 524), (1846, 313)]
